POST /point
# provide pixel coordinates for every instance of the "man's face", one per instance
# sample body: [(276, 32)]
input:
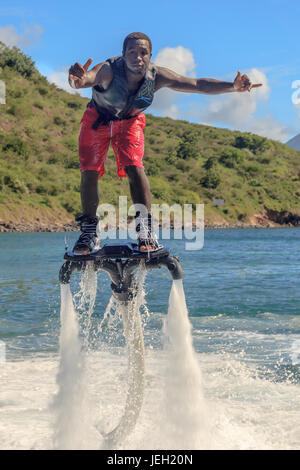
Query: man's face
[(137, 55)]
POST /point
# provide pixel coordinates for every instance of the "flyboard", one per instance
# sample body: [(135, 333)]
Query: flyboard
[(120, 261)]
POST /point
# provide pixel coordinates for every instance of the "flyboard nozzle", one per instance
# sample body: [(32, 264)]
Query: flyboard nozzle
[(169, 262), (173, 265), (123, 294), (67, 269)]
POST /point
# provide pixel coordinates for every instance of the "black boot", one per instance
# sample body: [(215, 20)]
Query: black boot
[(88, 240), (146, 236)]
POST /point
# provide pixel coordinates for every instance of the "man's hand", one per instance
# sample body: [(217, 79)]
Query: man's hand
[(242, 83), (77, 74)]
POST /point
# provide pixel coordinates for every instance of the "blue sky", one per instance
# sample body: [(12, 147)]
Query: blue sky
[(196, 38)]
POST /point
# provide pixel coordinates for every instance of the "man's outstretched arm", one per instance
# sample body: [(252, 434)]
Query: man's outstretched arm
[(166, 78), (81, 77)]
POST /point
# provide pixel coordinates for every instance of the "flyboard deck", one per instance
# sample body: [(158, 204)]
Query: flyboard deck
[(118, 251), (119, 260)]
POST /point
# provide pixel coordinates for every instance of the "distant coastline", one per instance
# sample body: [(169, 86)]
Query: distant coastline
[(36, 227)]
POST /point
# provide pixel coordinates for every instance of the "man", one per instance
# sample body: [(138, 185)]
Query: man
[(123, 87)]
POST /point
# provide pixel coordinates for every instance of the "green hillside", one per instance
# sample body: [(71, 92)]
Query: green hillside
[(185, 163)]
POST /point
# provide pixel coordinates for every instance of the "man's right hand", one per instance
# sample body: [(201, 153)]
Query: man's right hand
[(77, 74)]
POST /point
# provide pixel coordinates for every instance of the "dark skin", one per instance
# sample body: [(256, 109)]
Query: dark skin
[(137, 57), (138, 183)]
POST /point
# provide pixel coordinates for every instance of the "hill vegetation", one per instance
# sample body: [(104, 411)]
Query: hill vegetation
[(185, 162)]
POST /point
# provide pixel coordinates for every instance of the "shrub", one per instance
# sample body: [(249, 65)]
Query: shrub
[(43, 172), (38, 105), (71, 161), (160, 189), (253, 170), (71, 142), (75, 105), (265, 161), (254, 143), (15, 145), (211, 179), (53, 190), (58, 120), (187, 147), (16, 60), (16, 93), (254, 183), (172, 155), (46, 200), (71, 202), (53, 160), (231, 157), (20, 109), (210, 163), (42, 91), (15, 184), (153, 170), (42, 189)]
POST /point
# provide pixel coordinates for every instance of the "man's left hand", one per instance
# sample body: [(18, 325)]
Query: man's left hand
[(242, 83)]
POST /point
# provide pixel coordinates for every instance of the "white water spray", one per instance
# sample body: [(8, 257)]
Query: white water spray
[(184, 404), (84, 300), (186, 424), (70, 404), (67, 404), (133, 332)]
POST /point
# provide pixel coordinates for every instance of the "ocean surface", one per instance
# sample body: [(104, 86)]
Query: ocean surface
[(243, 301)]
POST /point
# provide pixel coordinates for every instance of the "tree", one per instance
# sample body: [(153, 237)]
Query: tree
[(211, 179), (187, 147), (231, 157), (15, 59)]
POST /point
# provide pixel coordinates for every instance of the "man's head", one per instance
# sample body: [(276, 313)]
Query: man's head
[(137, 50), (136, 36)]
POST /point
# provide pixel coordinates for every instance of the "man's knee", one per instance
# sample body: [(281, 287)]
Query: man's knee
[(89, 176), (134, 172)]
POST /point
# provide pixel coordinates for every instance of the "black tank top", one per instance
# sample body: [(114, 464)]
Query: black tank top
[(117, 102)]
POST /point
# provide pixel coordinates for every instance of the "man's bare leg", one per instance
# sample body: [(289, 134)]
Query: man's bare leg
[(139, 186), (139, 190), (89, 191)]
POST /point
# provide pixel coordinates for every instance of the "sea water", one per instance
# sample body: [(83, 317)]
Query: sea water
[(222, 349)]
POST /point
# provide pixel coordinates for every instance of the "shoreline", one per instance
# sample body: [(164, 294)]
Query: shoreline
[(52, 221), (8, 227)]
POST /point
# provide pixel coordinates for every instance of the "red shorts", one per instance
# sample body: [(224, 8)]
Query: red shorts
[(126, 137)]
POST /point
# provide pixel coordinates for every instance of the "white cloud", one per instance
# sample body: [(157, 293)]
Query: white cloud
[(268, 127), (237, 110), (10, 36), (163, 103), (60, 79), (181, 60), (296, 95)]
